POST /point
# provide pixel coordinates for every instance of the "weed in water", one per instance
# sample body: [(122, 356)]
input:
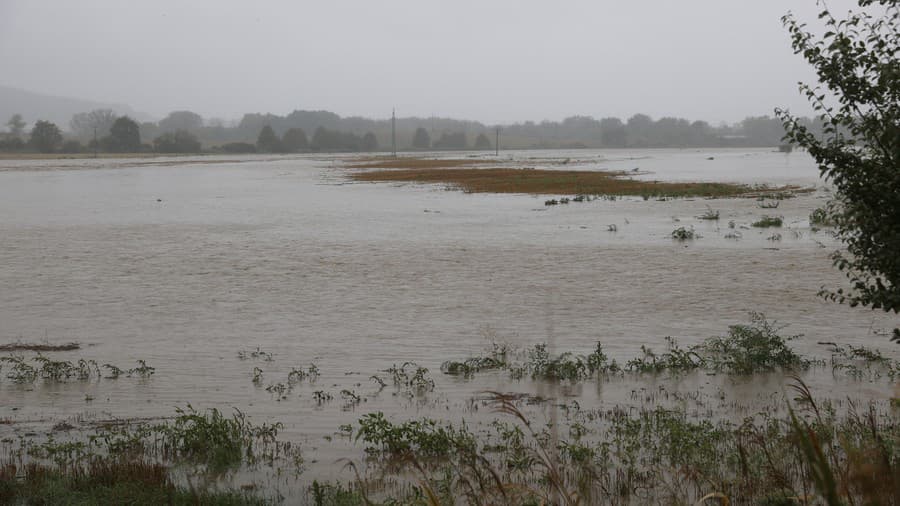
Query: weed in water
[(674, 359), (709, 214), (142, 370), (768, 221), (411, 377), (426, 437), (40, 347), (321, 396), (752, 348), (566, 366), (825, 216), (214, 440), (684, 234), (497, 359)]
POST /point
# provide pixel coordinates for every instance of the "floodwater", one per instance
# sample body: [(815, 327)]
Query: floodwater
[(185, 264)]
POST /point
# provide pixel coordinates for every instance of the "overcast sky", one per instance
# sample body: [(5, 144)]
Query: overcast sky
[(488, 60)]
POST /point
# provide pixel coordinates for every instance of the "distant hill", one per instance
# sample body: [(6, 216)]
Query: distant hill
[(36, 106)]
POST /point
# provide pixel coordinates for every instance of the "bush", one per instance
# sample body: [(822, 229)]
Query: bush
[(72, 146), (753, 348), (181, 141), (684, 234), (238, 147)]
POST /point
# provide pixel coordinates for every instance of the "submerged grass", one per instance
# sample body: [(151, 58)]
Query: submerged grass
[(768, 221), (137, 463), (803, 454), (650, 451), (108, 481), (541, 182), (754, 347), (41, 347), (413, 162), (19, 369)]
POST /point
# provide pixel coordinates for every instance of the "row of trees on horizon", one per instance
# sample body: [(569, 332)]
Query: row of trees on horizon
[(188, 132)]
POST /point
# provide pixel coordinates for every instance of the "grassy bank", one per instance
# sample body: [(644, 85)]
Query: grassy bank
[(474, 175), (546, 182)]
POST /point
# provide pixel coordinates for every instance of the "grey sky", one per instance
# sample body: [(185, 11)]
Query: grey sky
[(488, 60)]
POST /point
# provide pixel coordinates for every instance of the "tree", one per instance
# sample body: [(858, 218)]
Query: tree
[(239, 147), (10, 143), (181, 120), (369, 142), (268, 142), (762, 130), (85, 124), (613, 133), (72, 146), (45, 137), (124, 136), (294, 140), (181, 141), (856, 61), (454, 140), (333, 140), (639, 130), (16, 125), (421, 140), (482, 142)]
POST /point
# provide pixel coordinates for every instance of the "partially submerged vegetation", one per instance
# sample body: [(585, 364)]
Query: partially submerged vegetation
[(751, 348), (768, 221), (684, 234), (404, 162), (667, 445), (538, 181), (42, 347), (144, 463), (653, 454), (20, 369)]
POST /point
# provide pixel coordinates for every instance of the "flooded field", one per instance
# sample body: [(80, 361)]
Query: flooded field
[(192, 265)]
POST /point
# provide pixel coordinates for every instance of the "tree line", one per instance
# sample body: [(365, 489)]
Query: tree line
[(323, 131)]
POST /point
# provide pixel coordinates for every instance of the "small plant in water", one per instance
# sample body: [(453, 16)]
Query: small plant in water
[(321, 396), (675, 359), (412, 377), (768, 221), (710, 214), (142, 370), (684, 234)]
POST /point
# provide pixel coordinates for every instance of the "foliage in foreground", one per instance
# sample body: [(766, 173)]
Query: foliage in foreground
[(136, 461), (856, 61), (108, 481), (655, 455)]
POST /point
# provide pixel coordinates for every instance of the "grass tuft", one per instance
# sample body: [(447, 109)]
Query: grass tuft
[(768, 221)]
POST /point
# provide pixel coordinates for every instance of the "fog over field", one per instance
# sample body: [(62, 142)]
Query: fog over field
[(494, 62)]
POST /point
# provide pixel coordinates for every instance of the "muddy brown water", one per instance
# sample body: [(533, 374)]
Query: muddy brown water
[(185, 264)]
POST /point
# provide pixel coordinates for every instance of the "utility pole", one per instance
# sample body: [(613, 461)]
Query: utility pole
[(497, 143), (394, 131), (95, 141)]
